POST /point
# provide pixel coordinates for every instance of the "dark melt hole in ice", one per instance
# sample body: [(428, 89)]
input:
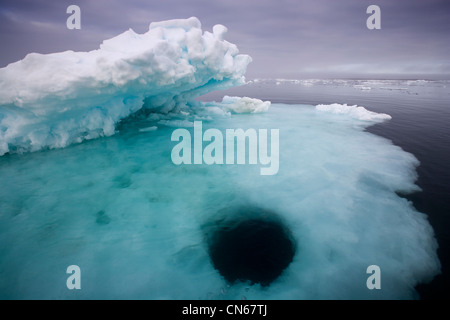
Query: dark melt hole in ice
[(253, 245)]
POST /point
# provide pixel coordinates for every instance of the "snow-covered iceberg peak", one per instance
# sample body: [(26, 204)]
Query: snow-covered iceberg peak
[(52, 100)]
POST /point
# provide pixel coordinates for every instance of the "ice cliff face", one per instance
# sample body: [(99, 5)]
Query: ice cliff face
[(53, 100)]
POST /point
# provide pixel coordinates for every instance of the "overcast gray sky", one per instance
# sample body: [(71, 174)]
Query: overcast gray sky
[(286, 38)]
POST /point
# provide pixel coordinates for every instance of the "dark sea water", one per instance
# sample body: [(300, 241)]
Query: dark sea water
[(420, 124)]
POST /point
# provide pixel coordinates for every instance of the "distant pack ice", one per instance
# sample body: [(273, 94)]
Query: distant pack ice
[(53, 100)]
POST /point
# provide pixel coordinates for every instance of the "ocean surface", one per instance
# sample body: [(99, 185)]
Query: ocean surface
[(349, 194)]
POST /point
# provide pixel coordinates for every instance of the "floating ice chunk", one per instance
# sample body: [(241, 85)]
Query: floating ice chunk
[(245, 104), (307, 83), (53, 100), (392, 88), (362, 87), (355, 112), (417, 82)]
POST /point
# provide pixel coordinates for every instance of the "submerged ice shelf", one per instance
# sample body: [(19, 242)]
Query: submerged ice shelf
[(137, 225)]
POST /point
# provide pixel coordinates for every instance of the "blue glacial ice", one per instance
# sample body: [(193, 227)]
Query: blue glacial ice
[(53, 100), (136, 224)]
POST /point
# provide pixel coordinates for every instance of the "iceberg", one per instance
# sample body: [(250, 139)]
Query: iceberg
[(141, 227), (53, 100), (245, 104)]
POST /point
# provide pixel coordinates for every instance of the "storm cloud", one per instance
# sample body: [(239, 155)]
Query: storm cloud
[(286, 38)]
